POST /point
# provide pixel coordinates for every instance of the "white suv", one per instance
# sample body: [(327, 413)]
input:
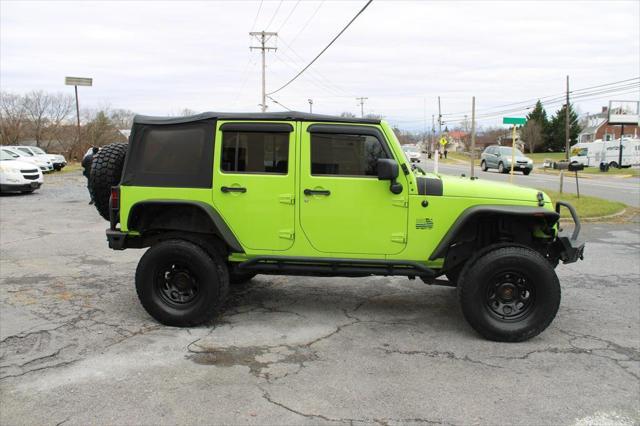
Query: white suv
[(58, 161), (44, 164), (18, 176)]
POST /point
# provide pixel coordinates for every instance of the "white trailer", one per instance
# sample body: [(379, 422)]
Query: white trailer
[(592, 154)]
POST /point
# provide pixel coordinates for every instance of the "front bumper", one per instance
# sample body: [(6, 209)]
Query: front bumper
[(570, 249), (20, 187)]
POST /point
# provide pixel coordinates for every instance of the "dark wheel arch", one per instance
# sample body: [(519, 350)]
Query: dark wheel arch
[(183, 216), (476, 212)]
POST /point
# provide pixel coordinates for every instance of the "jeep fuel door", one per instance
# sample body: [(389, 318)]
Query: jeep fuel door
[(344, 208), (253, 183)]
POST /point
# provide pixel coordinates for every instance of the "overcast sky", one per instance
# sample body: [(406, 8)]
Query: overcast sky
[(158, 57)]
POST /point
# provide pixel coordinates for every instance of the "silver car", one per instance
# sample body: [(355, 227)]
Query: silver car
[(499, 157)]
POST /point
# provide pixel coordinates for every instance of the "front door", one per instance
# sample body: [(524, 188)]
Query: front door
[(345, 209), (254, 182)]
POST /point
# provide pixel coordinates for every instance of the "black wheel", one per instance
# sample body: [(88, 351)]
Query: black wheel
[(483, 166), (526, 172), (180, 284), (501, 168), (613, 165), (106, 170), (237, 277), (509, 294)]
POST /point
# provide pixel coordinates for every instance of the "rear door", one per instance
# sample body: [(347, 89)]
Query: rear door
[(345, 208), (253, 182)]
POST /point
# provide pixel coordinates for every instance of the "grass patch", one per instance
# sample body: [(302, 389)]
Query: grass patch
[(586, 206), (71, 167), (539, 157)]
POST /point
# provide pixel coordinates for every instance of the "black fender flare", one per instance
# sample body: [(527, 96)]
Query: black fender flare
[(490, 210), (218, 225)]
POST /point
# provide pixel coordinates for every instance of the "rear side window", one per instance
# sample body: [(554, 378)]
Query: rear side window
[(255, 152), (171, 155), (345, 154)]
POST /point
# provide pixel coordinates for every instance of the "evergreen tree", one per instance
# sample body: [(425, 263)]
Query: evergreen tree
[(557, 137), (539, 116)]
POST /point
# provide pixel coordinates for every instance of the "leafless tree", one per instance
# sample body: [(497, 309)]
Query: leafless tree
[(122, 118), (531, 135), (12, 118), (36, 104)]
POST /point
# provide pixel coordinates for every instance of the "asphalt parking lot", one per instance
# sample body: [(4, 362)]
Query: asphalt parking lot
[(77, 348)]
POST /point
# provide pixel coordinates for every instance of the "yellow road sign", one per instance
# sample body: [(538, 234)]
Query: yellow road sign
[(443, 141)]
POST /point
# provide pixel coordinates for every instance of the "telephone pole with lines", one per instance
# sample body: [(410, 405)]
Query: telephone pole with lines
[(362, 99), (263, 37)]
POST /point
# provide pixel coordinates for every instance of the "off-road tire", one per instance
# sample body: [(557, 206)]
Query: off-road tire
[(477, 281), (483, 166), (526, 172), (501, 168), (209, 273), (106, 170)]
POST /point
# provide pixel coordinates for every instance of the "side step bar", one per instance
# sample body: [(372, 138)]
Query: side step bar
[(333, 267)]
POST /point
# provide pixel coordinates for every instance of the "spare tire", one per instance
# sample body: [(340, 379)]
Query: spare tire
[(106, 170)]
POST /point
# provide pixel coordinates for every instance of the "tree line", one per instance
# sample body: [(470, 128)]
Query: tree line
[(541, 134), (48, 120)]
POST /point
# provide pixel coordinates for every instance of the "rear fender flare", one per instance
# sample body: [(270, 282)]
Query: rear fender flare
[(215, 222)]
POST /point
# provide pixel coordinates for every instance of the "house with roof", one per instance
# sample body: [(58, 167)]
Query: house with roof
[(596, 126)]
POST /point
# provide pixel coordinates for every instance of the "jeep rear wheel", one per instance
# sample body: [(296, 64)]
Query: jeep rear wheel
[(106, 170), (509, 294), (179, 284)]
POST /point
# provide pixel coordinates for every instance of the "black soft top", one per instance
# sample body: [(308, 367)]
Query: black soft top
[(252, 116)]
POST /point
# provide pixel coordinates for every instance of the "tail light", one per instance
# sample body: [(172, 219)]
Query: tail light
[(115, 197), (114, 206)]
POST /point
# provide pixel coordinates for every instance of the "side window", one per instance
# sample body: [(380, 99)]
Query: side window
[(345, 154), (255, 152), (26, 151)]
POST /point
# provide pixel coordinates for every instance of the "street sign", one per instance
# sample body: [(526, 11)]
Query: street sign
[(443, 141), (514, 120), (78, 81)]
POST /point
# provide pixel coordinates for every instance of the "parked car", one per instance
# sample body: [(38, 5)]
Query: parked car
[(412, 153), (44, 164), (18, 176), (58, 161), (499, 157), (305, 194)]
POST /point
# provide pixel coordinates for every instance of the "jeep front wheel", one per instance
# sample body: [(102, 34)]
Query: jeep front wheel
[(509, 294), (179, 284)]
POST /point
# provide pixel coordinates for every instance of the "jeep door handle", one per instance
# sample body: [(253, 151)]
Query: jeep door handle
[(317, 192), (226, 189)]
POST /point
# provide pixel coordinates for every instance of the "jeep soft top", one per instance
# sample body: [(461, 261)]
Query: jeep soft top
[(221, 197)]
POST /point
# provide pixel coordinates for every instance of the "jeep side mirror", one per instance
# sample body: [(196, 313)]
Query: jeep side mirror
[(388, 170)]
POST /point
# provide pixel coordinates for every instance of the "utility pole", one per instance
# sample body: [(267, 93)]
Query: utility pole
[(432, 134), (263, 37), (566, 134), (437, 154), (361, 106), (310, 106), (473, 135)]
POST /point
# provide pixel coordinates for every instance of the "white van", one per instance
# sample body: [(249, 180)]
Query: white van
[(607, 152)]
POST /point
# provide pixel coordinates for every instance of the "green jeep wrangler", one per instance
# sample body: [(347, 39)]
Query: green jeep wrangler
[(221, 197)]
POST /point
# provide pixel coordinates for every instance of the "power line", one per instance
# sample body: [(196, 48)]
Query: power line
[(323, 50), (274, 15), (289, 16), (308, 21), (257, 14), (278, 103)]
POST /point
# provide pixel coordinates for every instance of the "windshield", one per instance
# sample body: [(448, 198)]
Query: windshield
[(410, 149), (25, 151), (38, 151), (5, 156), (505, 150), (11, 153)]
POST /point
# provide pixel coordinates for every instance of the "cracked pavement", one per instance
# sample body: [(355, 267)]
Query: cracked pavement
[(77, 348)]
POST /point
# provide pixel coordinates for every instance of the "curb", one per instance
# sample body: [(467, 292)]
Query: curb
[(596, 218)]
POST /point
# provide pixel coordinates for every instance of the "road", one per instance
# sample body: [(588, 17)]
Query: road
[(625, 190), (76, 347)]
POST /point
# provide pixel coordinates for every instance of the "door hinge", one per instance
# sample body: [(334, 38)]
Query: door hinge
[(400, 202), (287, 198), (286, 234), (399, 237)]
